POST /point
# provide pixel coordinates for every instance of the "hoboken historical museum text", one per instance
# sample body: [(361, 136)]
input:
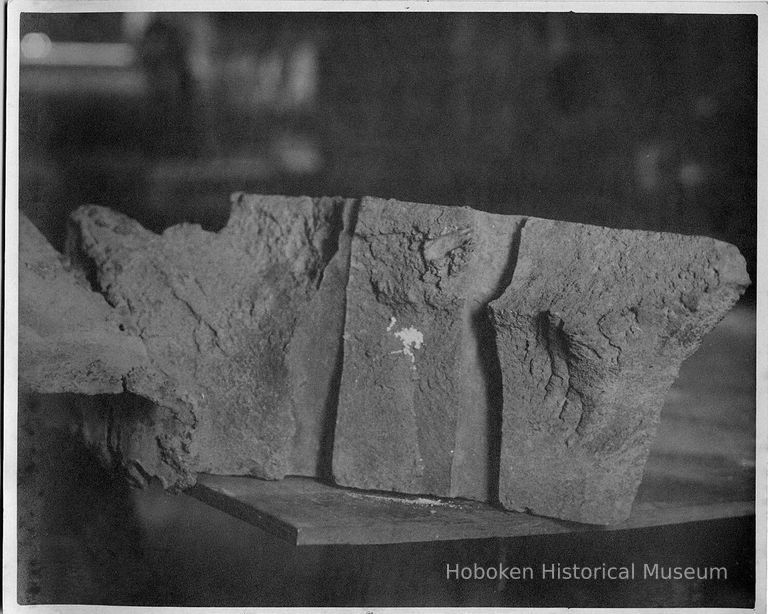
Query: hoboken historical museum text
[(558, 571)]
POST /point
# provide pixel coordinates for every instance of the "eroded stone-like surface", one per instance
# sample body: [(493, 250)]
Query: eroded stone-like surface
[(229, 345), (138, 437), (591, 333), (70, 340), (415, 407), (225, 317)]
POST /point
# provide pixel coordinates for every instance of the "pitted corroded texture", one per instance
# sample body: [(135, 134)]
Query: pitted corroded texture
[(414, 411), (228, 346), (70, 339), (227, 316), (591, 333), (144, 435)]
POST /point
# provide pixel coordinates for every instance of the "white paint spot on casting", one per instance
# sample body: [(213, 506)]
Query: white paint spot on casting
[(412, 340), (392, 321)]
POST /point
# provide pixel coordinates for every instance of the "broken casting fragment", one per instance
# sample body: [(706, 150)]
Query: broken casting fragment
[(226, 348), (417, 411), (243, 320), (591, 334), (70, 339)]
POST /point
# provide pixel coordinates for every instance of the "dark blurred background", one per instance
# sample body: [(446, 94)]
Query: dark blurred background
[(635, 121)]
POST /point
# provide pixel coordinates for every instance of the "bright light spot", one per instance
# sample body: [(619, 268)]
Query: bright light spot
[(302, 75), (691, 174), (297, 155), (35, 45)]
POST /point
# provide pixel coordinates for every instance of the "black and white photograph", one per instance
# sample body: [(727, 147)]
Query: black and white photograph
[(383, 304)]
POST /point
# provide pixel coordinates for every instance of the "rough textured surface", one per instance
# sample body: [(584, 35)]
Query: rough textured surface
[(591, 333), (396, 417), (70, 340), (226, 317), (139, 437), (226, 347), (415, 409)]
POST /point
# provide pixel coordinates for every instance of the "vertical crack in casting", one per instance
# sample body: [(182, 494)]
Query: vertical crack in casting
[(491, 367), (325, 462)]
